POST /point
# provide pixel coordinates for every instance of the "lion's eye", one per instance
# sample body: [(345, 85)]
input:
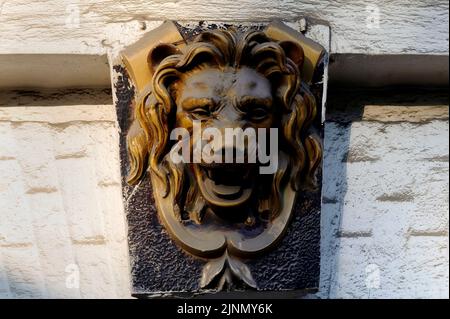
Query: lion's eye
[(201, 112), (258, 113)]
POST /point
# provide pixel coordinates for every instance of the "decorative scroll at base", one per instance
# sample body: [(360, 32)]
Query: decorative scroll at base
[(200, 227)]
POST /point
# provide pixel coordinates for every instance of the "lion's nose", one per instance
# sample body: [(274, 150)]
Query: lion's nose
[(232, 145), (235, 143)]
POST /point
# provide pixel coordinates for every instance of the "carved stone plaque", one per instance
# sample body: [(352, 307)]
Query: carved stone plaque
[(221, 155)]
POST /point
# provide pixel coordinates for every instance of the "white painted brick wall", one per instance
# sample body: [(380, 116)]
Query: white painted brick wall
[(384, 214), (386, 209), (405, 27), (61, 203), (385, 205)]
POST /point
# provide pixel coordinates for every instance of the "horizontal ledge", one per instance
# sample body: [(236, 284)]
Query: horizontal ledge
[(359, 70), (24, 71), (64, 114), (54, 71)]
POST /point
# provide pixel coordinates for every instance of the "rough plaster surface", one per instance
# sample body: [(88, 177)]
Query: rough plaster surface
[(386, 205), (83, 26), (61, 210)]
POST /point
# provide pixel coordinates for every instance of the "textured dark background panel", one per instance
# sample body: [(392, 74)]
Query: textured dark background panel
[(159, 266)]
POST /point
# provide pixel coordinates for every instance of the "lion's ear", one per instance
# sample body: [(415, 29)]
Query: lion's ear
[(159, 53), (294, 52), (313, 51)]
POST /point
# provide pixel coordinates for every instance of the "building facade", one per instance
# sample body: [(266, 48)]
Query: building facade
[(385, 182)]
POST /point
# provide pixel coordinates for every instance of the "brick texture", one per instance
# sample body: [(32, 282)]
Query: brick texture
[(385, 209), (385, 205), (61, 206)]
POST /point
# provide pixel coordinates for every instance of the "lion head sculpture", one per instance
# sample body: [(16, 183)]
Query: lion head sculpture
[(226, 79)]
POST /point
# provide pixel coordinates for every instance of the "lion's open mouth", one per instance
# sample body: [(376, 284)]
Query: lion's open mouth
[(225, 185)]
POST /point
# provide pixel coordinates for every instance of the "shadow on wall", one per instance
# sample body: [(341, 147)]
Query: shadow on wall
[(345, 108), (55, 97)]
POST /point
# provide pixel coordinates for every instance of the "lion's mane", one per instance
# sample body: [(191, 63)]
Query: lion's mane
[(300, 150)]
